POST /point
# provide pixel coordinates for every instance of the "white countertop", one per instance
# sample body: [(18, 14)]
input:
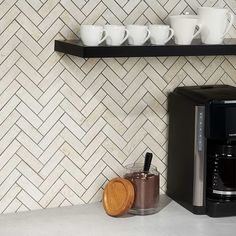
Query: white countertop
[(88, 220)]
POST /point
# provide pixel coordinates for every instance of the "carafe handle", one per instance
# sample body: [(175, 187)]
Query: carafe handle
[(231, 21)]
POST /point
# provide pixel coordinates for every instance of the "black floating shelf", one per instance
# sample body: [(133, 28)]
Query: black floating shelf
[(76, 48)]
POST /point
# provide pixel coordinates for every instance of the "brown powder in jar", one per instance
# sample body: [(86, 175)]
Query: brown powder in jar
[(146, 187)]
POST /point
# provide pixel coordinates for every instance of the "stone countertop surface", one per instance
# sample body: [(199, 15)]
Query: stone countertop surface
[(91, 220)]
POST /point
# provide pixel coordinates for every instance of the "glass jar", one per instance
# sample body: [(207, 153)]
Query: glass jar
[(146, 188)]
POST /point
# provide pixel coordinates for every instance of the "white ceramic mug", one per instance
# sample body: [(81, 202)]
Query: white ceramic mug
[(92, 35), (184, 27), (138, 34), (214, 24), (160, 34), (116, 34)]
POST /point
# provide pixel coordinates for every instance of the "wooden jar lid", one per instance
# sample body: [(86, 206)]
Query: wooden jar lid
[(118, 196)]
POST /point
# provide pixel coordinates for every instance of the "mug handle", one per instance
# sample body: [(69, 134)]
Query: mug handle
[(148, 35), (231, 15), (127, 35), (198, 31), (105, 36), (171, 35)]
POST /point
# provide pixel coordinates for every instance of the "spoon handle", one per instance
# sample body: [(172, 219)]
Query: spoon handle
[(147, 162)]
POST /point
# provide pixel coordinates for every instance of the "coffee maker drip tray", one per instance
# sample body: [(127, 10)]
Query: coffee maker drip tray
[(220, 208)]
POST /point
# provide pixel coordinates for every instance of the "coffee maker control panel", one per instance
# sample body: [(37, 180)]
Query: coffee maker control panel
[(199, 152), (200, 128)]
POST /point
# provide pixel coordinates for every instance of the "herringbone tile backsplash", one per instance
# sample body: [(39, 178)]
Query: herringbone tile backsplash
[(68, 125)]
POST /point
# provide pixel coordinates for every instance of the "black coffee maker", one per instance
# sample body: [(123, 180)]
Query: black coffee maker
[(202, 149)]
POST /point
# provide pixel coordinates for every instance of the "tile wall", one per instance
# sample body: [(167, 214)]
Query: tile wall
[(68, 125)]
